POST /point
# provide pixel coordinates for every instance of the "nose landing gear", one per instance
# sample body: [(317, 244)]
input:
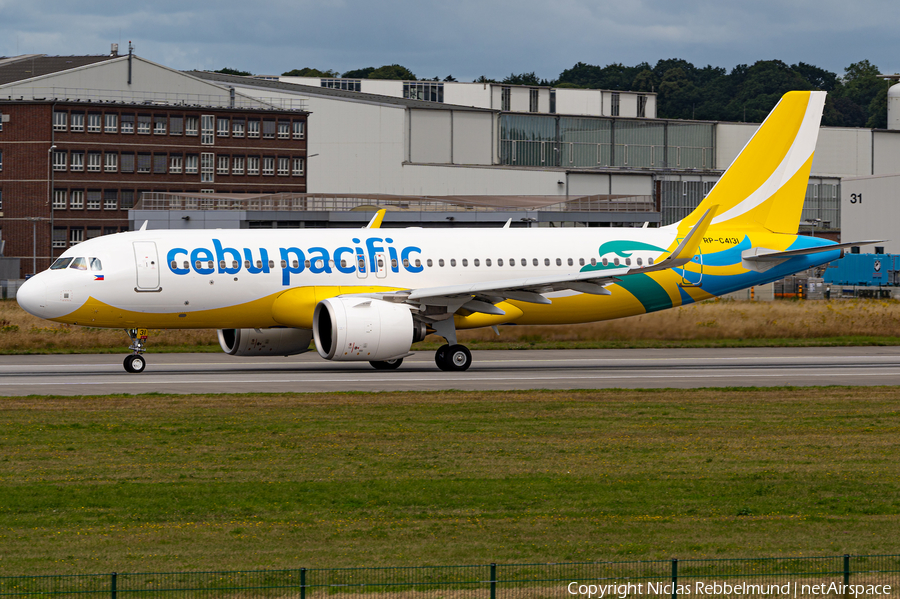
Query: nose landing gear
[(135, 362)]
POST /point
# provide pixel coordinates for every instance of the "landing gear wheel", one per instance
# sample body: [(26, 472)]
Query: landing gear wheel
[(135, 363), (387, 364), (453, 357)]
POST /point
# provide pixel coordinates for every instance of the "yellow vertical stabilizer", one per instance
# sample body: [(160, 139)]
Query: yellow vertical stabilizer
[(765, 186)]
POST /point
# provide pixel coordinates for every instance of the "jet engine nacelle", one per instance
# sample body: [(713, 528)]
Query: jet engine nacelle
[(358, 329), (264, 342)]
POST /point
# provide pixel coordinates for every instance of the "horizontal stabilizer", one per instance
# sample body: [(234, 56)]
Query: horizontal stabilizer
[(763, 259)]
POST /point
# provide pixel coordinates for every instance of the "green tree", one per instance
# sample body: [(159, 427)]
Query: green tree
[(862, 86), (525, 79), (227, 71), (309, 72), (484, 79), (393, 71), (358, 73), (678, 96)]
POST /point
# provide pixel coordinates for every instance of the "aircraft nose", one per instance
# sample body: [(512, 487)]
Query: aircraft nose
[(32, 296)]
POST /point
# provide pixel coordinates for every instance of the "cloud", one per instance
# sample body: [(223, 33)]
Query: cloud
[(467, 38)]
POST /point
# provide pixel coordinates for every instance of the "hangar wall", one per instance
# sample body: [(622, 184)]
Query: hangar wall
[(870, 209)]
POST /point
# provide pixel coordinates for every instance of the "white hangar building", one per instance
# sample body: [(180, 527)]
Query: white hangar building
[(577, 154)]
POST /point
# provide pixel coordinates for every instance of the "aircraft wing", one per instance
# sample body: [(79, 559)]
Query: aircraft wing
[(481, 297)]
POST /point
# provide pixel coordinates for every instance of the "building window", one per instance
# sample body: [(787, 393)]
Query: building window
[(143, 124), (207, 129), (642, 106), (144, 163), (552, 101), (533, 97), (76, 200), (284, 129), (253, 128), (253, 165), (159, 164), (1, 160), (207, 167), (127, 198), (175, 163), (352, 85), (76, 236), (94, 162), (59, 199), (77, 163), (268, 129), (237, 128), (59, 237), (59, 160), (176, 125), (93, 199), (190, 125), (111, 123), (268, 165), (423, 90), (614, 110), (127, 124), (190, 164), (93, 125), (284, 166), (299, 129), (222, 127), (60, 120), (298, 167), (505, 93), (222, 165), (111, 199), (159, 124), (237, 166), (127, 162), (112, 162), (77, 122)]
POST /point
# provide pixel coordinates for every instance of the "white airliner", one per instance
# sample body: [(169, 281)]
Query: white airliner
[(369, 294)]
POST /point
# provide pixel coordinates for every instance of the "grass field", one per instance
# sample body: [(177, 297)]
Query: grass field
[(160, 483), (717, 323)]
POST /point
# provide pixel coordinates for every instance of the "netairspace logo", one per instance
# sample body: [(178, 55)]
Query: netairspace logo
[(791, 589), (318, 260)]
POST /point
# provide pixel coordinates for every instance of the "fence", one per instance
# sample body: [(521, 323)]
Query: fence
[(796, 577)]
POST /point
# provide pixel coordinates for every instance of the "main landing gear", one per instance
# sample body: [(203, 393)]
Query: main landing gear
[(387, 364), (453, 357), (135, 362)]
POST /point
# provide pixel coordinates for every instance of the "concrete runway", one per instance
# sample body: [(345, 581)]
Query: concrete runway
[(525, 369)]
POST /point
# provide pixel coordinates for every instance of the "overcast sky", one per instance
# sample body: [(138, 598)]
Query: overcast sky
[(465, 38)]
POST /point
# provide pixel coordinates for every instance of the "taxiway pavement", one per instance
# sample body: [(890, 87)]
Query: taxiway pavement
[(491, 370)]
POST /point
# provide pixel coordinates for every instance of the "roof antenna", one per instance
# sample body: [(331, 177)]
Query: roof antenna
[(130, 50)]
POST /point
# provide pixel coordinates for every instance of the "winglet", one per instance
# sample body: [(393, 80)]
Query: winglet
[(375, 223), (688, 246)]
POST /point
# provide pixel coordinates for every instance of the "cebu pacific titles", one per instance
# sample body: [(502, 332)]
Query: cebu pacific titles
[(369, 294)]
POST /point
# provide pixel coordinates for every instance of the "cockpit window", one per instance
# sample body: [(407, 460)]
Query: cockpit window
[(79, 264), (60, 263), (95, 264)]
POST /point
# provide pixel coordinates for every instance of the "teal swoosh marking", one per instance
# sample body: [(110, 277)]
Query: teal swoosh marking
[(621, 248), (647, 291)]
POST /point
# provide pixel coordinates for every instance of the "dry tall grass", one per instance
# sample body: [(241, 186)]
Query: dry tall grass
[(712, 320), (726, 319), (20, 331)]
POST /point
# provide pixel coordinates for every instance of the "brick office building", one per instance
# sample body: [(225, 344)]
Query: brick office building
[(70, 170)]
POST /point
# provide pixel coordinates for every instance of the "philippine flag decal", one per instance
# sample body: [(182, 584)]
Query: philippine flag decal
[(98, 277)]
